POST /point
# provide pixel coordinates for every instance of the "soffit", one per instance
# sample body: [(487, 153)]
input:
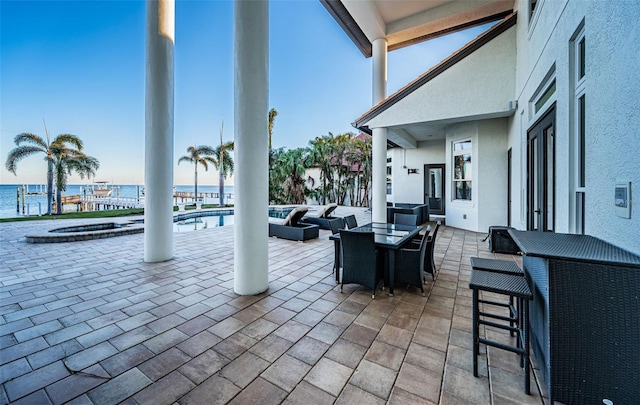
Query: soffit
[(406, 22)]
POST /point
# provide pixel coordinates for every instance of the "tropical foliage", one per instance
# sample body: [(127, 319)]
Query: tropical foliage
[(344, 165), (223, 162), (199, 155), (287, 176), (63, 156), (344, 162)]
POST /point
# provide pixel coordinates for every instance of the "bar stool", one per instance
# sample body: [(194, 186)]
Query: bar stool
[(506, 284), (501, 266)]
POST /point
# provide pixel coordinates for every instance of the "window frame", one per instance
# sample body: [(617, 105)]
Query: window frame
[(578, 75), (455, 181)]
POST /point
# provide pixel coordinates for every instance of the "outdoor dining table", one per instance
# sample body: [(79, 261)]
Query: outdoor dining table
[(584, 317), (388, 238)]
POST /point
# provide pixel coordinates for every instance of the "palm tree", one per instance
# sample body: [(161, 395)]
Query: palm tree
[(290, 168), (28, 144), (339, 146), (65, 162), (359, 159), (223, 162), (320, 156), (198, 155), (273, 113), (276, 191)]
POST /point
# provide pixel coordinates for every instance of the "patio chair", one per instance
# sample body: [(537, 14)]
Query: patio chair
[(410, 264), (335, 225), (360, 262), (351, 221), (405, 219), (429, 260)]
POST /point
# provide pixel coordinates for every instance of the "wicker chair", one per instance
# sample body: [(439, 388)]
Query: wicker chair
[(410, 264), (351, 221), (429, 260), (335, 225), (360, 262), (405, 219)]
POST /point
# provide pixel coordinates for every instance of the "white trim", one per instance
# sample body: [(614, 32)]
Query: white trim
[(549, 78), (577, 194), (461, 152), (533, 18)]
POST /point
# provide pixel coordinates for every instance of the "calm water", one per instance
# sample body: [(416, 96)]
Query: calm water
[(8, 196), (197, 223)]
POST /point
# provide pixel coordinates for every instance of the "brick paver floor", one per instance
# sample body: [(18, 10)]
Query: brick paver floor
[(91, 323)]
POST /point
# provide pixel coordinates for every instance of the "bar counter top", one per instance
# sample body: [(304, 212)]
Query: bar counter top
[(572, 247)]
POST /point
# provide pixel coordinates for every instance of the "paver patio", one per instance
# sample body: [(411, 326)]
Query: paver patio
[(91, 323)]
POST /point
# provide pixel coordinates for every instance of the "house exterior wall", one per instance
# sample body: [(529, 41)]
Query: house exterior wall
[(462, 90), (409, 188), (612, 120), (492, 173), (462, 214), (488, 205)]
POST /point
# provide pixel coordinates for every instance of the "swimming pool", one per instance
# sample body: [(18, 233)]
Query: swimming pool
[(186, 222), (195, 221)]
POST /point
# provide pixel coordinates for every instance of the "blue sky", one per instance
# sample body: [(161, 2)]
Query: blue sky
[(80, 65)]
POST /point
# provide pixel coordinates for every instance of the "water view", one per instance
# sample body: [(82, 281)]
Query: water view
[(35, 201)]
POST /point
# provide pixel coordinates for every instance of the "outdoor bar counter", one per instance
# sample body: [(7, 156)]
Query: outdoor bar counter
[(585, 316)]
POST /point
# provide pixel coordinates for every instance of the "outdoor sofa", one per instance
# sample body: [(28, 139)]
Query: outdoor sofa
[(291, 228), (321, 216)]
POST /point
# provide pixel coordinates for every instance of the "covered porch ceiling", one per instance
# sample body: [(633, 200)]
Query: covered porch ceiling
[(406, 22)]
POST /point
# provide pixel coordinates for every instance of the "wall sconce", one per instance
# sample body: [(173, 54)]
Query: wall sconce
[(412, 171)]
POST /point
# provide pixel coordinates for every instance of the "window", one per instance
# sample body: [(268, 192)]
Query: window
[(545, 97), (532, 8), (462, 170), (578, 47)]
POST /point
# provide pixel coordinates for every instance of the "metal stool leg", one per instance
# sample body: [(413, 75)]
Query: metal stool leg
[(476, 332), (525, 343)]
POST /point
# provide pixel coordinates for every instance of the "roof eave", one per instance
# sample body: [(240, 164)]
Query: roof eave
[(508, 22), (346, 21)]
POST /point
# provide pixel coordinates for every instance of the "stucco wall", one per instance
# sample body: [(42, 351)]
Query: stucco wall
[(489, 182), (462, 214), (467, 89), (492, 173), (612, 119), (409, 188)]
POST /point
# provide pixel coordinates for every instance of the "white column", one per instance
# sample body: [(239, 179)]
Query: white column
[(251, 99), (379, 60), (379, 154), (158, 178)]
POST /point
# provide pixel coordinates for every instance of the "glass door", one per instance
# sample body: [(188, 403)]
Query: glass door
[(540, 174), (434, 188)]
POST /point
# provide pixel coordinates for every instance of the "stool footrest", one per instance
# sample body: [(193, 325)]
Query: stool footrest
[(500, 317), (499, 325), (495, 303), (502, 346)]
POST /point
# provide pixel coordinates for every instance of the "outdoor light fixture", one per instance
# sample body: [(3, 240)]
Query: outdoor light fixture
[(412, 171)]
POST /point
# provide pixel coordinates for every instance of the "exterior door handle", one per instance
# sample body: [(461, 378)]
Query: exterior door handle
[(537, 211)]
